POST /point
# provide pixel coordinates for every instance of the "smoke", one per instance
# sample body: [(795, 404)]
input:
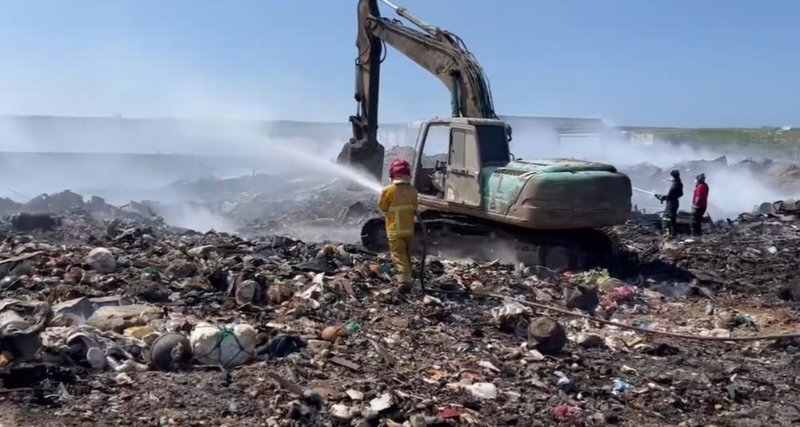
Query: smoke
[(222, 132), (736, 191), (81, 110), (138, 125), (196, 217), (734, 188)]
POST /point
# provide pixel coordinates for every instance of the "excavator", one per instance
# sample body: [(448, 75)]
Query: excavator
[(550, 213)]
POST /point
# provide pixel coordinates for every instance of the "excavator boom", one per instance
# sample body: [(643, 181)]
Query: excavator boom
[(440, 52), (363, 151), (550, 211)]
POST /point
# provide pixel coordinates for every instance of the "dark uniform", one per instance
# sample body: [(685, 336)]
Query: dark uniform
[(671, 200)]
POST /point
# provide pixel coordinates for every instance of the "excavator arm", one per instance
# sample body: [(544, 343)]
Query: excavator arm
[(440, 52)]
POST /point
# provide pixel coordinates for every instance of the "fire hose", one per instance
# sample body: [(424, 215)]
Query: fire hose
[(424, 251), (643, 191)]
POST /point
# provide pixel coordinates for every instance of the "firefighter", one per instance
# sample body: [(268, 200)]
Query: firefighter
[(669, 218), (398, 202), (699, 204)]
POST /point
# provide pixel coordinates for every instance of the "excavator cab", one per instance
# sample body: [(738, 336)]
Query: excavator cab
[(456, 176)]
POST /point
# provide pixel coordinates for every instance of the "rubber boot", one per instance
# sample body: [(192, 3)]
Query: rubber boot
[(666, 229)]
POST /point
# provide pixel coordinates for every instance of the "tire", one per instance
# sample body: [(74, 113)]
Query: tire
[(559, 258), (373, 235)]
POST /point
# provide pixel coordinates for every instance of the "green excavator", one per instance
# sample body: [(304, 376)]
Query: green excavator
[(552, 213)]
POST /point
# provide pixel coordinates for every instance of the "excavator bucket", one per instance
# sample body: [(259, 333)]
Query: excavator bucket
[(364, 157)]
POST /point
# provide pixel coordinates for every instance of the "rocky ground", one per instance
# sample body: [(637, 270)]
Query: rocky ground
[(323, 338)]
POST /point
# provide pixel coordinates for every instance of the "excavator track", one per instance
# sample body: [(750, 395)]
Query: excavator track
[(463, 236)]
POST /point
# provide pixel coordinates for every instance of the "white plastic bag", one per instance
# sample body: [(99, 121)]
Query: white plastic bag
[(228, 345)]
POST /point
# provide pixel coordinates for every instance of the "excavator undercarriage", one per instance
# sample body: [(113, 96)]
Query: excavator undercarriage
[(454, 235)]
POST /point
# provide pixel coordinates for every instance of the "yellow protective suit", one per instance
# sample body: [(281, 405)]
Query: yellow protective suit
[(398, 201)]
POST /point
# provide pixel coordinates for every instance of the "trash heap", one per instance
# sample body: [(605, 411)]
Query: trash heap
[(127, 321), (754, 254), (314, 209)]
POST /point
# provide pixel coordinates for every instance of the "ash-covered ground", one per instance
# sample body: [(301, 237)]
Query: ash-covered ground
[(217, 302)]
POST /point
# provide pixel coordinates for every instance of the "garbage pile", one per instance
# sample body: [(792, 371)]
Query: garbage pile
[(127, 321), (312, 209), (318, 208), (753, 254)]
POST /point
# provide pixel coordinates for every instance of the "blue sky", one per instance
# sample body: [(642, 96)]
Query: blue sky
[(642, 62)]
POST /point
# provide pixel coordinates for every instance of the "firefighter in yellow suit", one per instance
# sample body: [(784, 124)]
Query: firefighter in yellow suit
[(398, 202)]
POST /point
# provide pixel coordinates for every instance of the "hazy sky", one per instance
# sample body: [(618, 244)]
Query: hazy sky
[(644, 62)]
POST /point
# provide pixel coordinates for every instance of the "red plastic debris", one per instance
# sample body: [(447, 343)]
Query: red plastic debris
[(58, 261), (566, 413), (74, 275), (446, 413), (608, 304), (624, 293)]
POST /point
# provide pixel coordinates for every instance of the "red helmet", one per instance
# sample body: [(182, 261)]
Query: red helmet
[(399, 167)]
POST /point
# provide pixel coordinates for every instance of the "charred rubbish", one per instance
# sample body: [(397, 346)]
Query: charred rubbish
[(237, 322)]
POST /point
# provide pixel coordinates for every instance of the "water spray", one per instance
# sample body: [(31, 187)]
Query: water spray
[(644, 191)]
